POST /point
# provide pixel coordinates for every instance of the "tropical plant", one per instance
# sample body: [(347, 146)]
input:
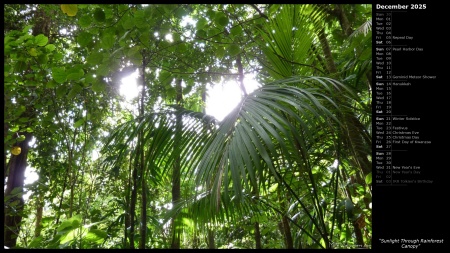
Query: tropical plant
[(289, 167)]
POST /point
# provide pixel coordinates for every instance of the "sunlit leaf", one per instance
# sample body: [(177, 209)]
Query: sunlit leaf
[(32, 51), (41, 40), (50, 47), (369, 178), (70, 9), (78, 123), (95, 235), (26, 29)]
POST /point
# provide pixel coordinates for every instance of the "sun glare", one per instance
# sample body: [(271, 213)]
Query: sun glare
[(223, 98), (129, 88)]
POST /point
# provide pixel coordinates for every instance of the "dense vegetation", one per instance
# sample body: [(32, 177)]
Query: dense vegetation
[(289, 167)]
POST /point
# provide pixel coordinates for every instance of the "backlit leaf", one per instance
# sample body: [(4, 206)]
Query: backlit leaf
[(234, 50), (70, 9), (41, 40)]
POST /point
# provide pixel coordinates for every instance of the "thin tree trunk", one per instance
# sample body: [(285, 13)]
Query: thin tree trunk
[(327, 52), (256, 225), (241, 74), (133, 203), (15, 204), (343, 20), (257, 236), (143, 223), (39, 211), (211, 242), (285, 222), (127, 210), (176, 180)]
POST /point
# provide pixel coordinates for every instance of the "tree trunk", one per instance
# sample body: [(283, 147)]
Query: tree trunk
[(133, 203), (39, 211), (211, 242), (343, 20), (18, 164), (14, 205), (286, 229), (176, 183), (257, 236), (143, 223)]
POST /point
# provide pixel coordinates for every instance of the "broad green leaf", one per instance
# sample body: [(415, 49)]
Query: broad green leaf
[(237, 30), (220, 52), (99, 15), (221, 19), (70, 9), (234, 50), (27, 28), (89, 78), (58, 56), (32, 51), (95, 235), (74, 91), (50, 84), (103, 69), (95, 58), (42, 59), (98, 86), (79, 232), (59, 75), (139, 19), (85, 21), (35, 243), (127, 23), (201, 34), (108, 40), (369, 178), (201, 23), (65, 225), (84, 38), (41, 40), (76, 222), (75, 73), (50, 47), (78, 123)]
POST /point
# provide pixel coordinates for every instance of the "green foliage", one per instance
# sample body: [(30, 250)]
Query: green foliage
[(273, 156)]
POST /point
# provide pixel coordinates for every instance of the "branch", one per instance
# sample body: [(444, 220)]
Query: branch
[(259, 11)]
